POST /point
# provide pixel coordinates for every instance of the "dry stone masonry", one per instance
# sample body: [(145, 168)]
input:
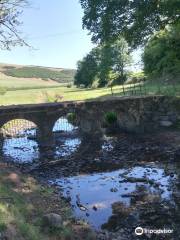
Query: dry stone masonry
[(134, 114)]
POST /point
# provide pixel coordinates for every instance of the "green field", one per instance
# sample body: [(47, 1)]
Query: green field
[(67, 94), (52, 94)]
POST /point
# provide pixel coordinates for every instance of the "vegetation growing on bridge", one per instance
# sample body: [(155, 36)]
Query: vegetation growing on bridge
[(110, 117)]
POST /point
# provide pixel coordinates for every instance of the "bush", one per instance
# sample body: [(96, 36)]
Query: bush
[(3, 91), (71, 117), (110, 117), (136, 77), (3, 227), (69, 85)]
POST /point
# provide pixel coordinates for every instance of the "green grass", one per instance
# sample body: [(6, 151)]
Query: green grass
[(51, 94), (15, 214), (74, 94), (62, 93), (19, 213)]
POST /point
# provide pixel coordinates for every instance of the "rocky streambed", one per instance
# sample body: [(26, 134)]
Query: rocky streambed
[(116, 184)]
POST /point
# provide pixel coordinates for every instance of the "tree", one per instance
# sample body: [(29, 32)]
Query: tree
[(10, 11), (162, 53), (135, 20), (87, 69), (104, 63), (121, 58)]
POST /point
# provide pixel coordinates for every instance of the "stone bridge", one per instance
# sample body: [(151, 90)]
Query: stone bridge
[(134, 114)]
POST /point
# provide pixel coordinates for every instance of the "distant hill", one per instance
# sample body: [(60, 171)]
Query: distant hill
[(19, 77), (59, 75)]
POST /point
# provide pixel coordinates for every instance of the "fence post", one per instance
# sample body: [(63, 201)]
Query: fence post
[(140, 89), (112, 90), (123, 90), (134, 89)]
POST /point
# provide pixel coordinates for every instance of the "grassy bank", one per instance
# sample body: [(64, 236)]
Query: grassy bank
[(23, 202)]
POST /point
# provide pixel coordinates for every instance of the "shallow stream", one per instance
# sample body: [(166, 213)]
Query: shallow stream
[(92, 195)]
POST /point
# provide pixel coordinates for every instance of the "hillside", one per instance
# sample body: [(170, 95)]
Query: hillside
[(26, 77)]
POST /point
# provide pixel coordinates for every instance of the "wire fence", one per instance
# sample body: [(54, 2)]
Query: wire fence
[(141, 89)]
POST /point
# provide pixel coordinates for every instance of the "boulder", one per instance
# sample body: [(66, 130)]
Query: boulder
[(52, 220)]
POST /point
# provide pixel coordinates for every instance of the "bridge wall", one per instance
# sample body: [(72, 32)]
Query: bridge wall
[(137, 114)]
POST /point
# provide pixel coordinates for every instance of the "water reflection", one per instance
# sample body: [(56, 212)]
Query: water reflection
[(21, 150), (92, 195), (66, 147), (22, 146)]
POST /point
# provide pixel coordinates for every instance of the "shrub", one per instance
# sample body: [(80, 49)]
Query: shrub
[(69, 85), (3, 91), (3, 227), (136, 77), (71, 117), (110, 117)]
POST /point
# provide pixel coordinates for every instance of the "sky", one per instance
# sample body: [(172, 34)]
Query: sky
[(54, 30)]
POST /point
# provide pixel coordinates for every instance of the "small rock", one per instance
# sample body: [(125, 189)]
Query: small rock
[(94, 208), (113, 189), (176, 195), (172, 175), (166, 123), (52, 220)]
